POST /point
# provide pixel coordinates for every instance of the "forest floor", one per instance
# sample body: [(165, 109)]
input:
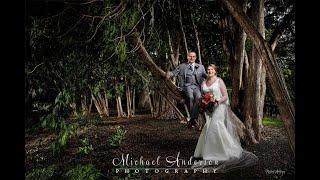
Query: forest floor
[(151, 138)]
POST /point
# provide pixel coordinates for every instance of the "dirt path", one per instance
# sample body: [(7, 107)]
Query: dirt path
[(152, 139)]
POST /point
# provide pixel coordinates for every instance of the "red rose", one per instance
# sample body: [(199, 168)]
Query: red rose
[(207, 102)]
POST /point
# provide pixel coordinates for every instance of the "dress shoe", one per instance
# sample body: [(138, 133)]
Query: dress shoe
[(191, 123)]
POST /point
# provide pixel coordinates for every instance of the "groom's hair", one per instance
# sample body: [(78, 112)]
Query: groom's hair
[(191, 52)]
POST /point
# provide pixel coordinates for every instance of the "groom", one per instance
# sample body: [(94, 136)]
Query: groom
[(191, 76)]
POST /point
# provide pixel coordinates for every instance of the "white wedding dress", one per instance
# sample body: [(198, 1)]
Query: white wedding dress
[(218, 140)]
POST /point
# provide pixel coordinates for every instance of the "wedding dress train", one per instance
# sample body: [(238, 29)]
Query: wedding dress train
[(218, 140)]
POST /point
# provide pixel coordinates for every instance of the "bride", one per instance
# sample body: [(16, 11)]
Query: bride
[(218, 140)]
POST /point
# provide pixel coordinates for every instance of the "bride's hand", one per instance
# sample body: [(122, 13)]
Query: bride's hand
[(216, 103)]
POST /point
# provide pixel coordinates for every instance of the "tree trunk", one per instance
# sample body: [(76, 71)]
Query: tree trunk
[(171, 89), (285, 106), (174, 107), (256, 89), (143, 98), (250, 100), (106, 104), (119, 107), (151, 105), (197, 39), (245, 79), (73, 106), (128, 96), (237, 84), (174, 54), (102, 103), (84, 105), (90, 106), (234, 39), (97, 105), (182, 30), (134, 102)]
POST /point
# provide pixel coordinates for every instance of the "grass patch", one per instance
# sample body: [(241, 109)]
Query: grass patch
[(272, 122)]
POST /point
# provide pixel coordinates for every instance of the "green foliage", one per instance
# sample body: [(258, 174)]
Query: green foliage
[(116, 138), (99, 86), (121, 50), (42, 173), (119, 89), (289, 75), (66, 132), (65, 98), (272, 122), (129, 18), (86, 147), (88, 120), (63, 61), (33, 129), (84, 172), (50, 121), (56, 121)]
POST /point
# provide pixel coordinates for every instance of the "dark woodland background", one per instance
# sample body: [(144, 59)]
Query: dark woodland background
[(67, 62)]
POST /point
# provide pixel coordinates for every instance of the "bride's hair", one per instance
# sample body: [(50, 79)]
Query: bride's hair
[(214, 67)]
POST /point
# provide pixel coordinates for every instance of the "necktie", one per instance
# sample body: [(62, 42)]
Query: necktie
[(191, 67)]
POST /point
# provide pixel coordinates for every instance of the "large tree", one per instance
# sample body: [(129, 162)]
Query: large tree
[(275, 75), (89, 49)]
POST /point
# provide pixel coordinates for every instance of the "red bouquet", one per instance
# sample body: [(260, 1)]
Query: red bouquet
[(207, 102)]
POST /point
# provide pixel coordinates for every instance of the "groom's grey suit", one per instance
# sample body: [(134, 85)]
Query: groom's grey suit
[(190, 80)]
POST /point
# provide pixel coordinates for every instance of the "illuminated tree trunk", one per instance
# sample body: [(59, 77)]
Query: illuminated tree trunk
[(278, 86)]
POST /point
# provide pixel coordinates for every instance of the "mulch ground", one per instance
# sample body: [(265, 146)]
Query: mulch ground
[(149, 138)]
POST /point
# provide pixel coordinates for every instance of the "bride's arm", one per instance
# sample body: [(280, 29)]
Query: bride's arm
[(224, 91)]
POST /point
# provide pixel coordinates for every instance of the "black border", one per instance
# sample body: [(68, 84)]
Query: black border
[(12, 86)]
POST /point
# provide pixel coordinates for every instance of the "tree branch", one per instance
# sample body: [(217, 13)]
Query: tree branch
[(279, 30)]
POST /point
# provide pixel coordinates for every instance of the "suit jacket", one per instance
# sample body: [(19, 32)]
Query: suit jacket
[(181, 71)]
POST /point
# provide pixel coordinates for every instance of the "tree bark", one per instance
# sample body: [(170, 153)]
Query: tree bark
[(119, 107), (174, 54), (250, 100), (97, 105), (90, 106), (84, 105), (197, 39), (151, 105), (159, 74), (240, 40), (106, 104), (285, 106), (174, 107), (256, 90), (100, 104), (134, 102), (182, 30), (143, 98), (128, 96)]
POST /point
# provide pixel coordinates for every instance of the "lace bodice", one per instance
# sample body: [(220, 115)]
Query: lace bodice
[(218, 89)]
